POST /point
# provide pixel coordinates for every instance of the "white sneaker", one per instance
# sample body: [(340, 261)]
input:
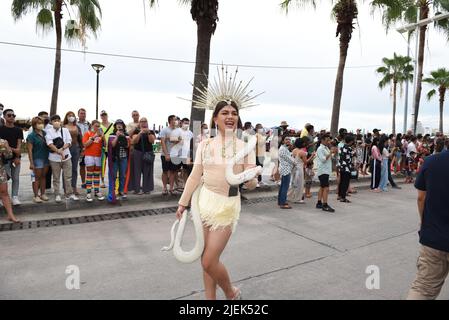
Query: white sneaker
[(58, 199), (100, 196), (89, 197), (74, 197), (16, 201), (258, 185)]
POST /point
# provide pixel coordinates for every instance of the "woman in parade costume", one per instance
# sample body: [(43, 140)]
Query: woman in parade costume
[(118, 161), (219, 201)]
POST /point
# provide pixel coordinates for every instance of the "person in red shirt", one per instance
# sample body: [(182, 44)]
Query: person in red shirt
[(93, 142)]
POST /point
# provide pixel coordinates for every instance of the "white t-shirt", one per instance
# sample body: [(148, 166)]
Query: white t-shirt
[(51, 134), (411, 147), (182, 149), (166, 134)]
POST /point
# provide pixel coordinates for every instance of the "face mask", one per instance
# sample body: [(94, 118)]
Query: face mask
[(56, 124), (40, 126), (185, 126), (205, 131), (71, 119), (260, 131)]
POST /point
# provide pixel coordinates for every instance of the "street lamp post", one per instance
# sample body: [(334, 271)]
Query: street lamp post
[(409, 28), (98, 68)]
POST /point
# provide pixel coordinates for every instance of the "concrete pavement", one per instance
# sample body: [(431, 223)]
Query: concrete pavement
[(302, 253)]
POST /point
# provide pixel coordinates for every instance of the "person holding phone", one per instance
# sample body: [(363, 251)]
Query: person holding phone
[(59, 141), (118, 161), (93, 144)]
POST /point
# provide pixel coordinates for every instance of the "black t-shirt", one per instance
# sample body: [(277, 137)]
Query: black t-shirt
[(11, 135), (434, 179), (144, 145)]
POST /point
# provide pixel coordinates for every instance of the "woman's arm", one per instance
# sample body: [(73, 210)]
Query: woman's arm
[(30, 154), (136, 138), (151, 138), (195, 177)]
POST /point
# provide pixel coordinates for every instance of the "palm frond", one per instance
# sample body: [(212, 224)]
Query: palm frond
[(20, 8), (286, 4), (44, 21), (431, 93)]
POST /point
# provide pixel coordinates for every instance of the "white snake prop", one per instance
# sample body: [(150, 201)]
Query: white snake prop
[(234, 180)]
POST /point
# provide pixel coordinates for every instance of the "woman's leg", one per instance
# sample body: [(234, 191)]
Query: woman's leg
[(96, 178), (137, 162), (37, 181), (210, 285), (4, 196), (210, 261), (75, 152), (89, 178)]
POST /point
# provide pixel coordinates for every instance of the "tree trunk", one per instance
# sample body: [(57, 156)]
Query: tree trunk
[(345, 37), (424, 14), (395, 85), (442, 94), (204, 34), (57, 72)]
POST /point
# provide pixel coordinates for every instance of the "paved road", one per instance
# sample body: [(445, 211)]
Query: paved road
[(302, 253)]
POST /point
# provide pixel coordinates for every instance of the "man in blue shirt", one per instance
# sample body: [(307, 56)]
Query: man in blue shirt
[(433, 203)]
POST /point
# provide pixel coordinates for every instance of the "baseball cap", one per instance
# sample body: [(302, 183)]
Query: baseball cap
[(103, 112)]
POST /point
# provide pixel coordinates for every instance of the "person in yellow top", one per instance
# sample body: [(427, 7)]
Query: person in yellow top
[(107, 128), (219, 203)]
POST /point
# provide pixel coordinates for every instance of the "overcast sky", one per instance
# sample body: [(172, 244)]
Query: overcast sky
[(254, 32)]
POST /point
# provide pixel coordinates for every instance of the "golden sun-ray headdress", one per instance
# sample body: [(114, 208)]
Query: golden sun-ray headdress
[(225, 87)]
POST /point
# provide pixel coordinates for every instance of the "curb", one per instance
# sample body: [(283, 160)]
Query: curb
[(70, 205)]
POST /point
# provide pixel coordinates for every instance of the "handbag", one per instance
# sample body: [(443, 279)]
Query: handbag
[(58, 142), (148, 156)]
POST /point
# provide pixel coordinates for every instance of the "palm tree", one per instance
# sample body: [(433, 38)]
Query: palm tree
[(409, 11), (345, 13), (440, 79), (395, 71), (50, 15), (205, 14)]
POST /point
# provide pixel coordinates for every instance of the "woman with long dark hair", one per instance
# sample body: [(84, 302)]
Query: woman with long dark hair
[(383, 149), (375, 165), (219, 202), (75, 148)]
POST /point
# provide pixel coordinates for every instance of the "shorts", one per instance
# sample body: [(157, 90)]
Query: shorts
[(168, 165), (91, 161), (40, 163), (82, 161), (324, 181)]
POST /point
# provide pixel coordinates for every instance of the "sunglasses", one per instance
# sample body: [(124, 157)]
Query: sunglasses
[(10, 115)]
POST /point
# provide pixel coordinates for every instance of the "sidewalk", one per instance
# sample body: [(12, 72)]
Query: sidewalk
[(155, 198)]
